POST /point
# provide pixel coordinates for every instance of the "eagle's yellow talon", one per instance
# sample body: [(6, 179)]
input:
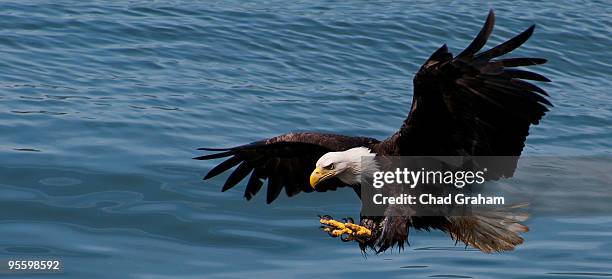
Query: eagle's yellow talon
[(337, 233), (353, 231)]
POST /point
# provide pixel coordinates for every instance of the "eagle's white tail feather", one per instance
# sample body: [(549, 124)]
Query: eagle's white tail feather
[(492, 231)]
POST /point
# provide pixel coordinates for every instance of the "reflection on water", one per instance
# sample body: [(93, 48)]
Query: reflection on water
[(103, 104)]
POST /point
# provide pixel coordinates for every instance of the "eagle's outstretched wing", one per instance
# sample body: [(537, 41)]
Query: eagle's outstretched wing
[(286, 161), (473, 104)]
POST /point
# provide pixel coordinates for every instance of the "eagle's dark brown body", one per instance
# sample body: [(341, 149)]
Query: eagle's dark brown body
[(470, 104)]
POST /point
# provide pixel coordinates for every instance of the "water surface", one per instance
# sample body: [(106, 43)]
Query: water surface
[(102, 105)]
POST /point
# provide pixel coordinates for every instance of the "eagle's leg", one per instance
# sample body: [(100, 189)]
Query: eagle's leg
[(346, 229)]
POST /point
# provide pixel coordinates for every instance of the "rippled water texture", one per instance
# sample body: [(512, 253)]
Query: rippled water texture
[(103, 103)]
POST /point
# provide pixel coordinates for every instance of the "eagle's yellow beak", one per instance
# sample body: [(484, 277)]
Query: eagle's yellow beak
[(319, 175)]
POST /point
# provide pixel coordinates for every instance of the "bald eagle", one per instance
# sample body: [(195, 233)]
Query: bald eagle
[(471, 104)]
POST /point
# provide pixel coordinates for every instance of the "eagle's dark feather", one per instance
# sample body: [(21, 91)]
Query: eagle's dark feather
[(471, 104), (285, 161)]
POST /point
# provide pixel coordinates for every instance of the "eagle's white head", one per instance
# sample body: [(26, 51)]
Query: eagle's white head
[(347, 165)]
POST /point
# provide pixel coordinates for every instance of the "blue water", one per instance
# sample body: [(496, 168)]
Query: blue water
[(102, 105)]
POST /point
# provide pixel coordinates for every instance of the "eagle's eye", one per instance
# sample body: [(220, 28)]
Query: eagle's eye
[(330, 166)]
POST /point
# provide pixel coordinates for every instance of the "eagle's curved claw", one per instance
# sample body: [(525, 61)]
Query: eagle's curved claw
[(346, 230)]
